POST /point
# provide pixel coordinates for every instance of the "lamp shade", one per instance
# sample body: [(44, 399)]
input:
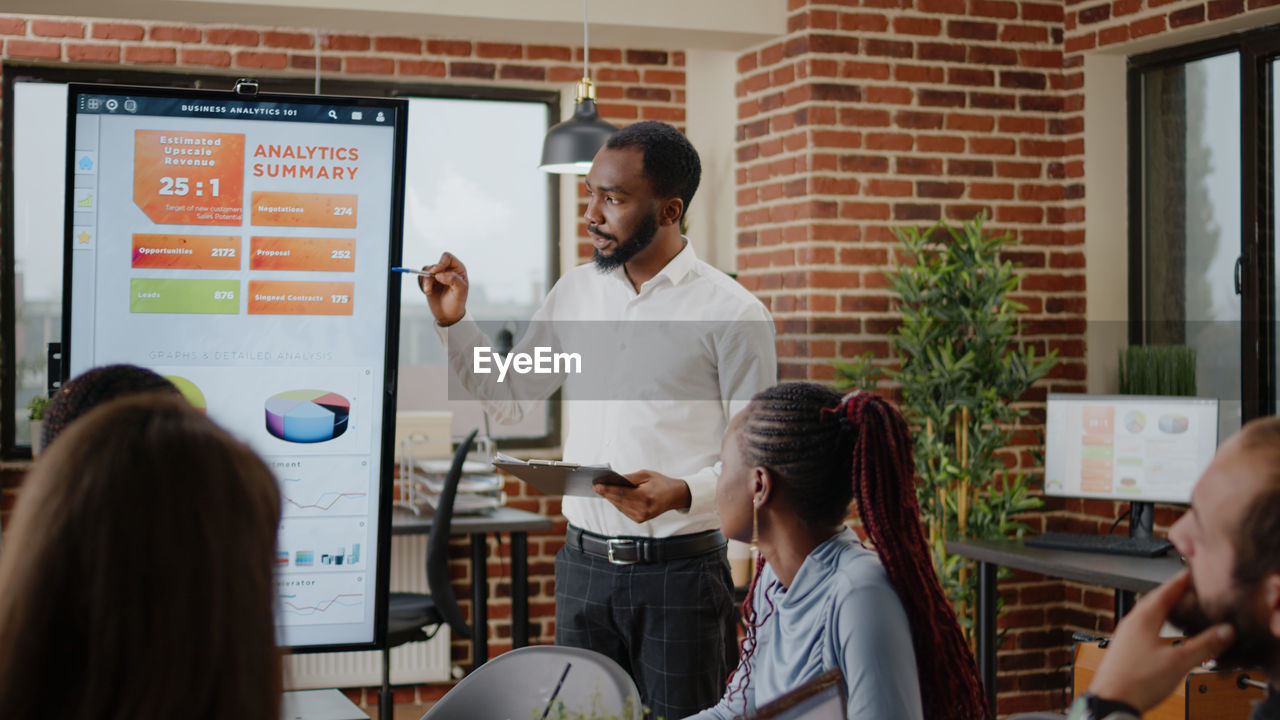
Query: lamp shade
[(571, 145)]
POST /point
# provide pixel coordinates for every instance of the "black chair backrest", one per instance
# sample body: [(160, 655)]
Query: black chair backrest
[(438, 545)]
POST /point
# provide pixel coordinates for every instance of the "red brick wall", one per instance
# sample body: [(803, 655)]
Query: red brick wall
[(864, 118), (1089, 25), (885, 113), (872, 114), (631, 83)]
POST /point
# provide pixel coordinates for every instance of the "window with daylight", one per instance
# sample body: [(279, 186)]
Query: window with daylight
[(1202, 198)]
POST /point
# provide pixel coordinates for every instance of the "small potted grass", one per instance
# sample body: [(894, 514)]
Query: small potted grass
[(1158, 370)]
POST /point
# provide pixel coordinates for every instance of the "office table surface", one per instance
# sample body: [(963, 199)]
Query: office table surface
[(503, 519), (1123, 572), (1127, 574), (319, 705)]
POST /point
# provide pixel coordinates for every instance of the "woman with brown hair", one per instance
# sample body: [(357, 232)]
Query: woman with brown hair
[(137, 580), (794, 460)]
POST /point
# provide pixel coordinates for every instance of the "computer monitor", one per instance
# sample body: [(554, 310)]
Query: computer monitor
[(1138, 448)]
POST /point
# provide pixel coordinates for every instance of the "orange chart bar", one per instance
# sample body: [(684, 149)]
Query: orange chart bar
[(302, 253), (278, 297), (286, 209), (186, 252)]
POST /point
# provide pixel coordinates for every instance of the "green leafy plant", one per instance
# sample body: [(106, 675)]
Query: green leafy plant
[(962, 368), (36, 407), (1158, 370)]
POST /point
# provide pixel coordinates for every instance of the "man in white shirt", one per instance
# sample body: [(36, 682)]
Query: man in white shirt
[(674, 349)]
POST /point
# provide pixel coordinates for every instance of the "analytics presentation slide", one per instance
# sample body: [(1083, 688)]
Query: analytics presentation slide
[(1136, 448), (241, 247)]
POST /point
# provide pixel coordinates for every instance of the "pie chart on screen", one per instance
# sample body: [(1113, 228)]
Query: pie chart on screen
[(190, 391), (307, 416)]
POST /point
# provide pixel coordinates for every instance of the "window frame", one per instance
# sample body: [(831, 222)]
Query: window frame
[(1256, 271), (14, 72)]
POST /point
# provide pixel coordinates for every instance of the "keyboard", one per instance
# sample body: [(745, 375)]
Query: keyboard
[(1110, 544)]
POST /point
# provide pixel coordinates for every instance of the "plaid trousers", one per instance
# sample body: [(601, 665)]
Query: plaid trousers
[(669, 624)]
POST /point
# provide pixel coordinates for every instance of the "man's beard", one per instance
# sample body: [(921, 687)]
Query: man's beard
[(1253, 646), (640, 239)]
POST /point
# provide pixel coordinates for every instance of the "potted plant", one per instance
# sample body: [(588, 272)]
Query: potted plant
[(35, 412), (1158, 370), (962, 369)]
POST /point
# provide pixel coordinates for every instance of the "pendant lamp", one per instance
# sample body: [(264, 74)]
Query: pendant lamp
[(571, 145)]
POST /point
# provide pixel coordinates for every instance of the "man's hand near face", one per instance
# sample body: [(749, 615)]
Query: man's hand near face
[(1140, 669), (653, 495)]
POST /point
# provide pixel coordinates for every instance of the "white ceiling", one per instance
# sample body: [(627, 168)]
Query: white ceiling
[(703, 24)]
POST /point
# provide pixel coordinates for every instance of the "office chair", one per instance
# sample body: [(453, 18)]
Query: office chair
[(530, 682), (410, 614)]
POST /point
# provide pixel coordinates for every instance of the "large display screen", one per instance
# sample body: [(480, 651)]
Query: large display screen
[(241, 246), (1137, 448)]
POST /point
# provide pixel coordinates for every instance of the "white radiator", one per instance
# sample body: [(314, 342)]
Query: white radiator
[(411, 664)]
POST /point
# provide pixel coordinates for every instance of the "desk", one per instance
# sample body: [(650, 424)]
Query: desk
[(319, 705), (504, 519), (1124, 573)]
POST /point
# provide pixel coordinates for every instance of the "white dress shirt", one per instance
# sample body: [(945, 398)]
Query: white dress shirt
[(654, 395)]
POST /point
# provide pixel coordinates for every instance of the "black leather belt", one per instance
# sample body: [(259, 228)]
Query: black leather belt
[(631, 550)]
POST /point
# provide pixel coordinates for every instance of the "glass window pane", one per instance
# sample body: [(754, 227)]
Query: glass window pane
[(39, 144), (473, 188), (1191, 219)]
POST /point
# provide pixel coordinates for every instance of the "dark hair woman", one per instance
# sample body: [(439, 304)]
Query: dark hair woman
[(94, 387), (794, 460), (138, 575)]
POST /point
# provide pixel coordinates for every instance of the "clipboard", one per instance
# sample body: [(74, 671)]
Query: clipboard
[(557, 477), (821, 698)]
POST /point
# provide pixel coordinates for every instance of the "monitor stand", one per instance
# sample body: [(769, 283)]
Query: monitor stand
[(1141, 519), (1142, 523)]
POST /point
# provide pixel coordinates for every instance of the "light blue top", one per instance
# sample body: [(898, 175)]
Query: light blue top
[(840, 611)]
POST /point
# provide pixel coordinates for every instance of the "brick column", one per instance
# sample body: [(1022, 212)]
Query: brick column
[(887, 113)]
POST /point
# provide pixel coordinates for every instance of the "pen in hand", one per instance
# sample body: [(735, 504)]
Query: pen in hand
[(411, 271)]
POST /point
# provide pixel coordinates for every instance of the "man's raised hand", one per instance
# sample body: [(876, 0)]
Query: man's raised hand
[(446, 290)]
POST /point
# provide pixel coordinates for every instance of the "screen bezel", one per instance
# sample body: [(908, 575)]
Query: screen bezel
[(398, 110)]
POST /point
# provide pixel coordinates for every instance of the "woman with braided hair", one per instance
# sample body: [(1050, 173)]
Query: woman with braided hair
[(794, 460)]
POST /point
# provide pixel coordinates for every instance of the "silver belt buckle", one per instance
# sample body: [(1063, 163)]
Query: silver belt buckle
[(614, 542)]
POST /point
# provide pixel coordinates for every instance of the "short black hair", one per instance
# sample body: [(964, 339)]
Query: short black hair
[(95, 387), (670, 162)]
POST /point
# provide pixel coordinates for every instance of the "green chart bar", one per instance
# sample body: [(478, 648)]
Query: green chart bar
[(203, 297)]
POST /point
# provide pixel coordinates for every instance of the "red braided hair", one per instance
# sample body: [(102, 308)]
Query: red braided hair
[(828, 451), (747, 647), (884, 487)]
